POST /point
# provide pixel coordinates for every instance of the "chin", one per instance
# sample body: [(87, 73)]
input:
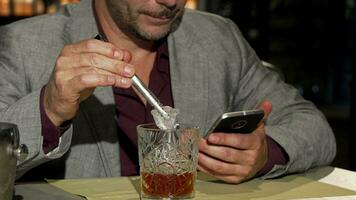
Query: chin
[(155, 33)]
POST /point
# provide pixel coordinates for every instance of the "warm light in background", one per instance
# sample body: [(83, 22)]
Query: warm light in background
[(28, 8), (34, 7), (63, 2), (192, 4), (4, 7)]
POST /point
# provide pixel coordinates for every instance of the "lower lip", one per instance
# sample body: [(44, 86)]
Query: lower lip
[(158, 21)]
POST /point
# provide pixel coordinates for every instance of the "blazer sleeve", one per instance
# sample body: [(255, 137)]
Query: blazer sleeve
[(20, 99), (295, 123)]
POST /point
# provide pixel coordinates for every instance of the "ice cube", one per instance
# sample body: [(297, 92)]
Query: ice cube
[(165, 123)]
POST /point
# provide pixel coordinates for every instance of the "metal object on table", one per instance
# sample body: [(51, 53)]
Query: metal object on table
[(42, 191), (10, 153)]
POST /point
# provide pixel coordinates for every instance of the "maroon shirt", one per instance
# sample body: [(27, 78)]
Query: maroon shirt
[(131, 111)]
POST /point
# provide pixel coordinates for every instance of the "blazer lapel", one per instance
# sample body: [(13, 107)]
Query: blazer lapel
[(99, 112), (98, 109), (189, 79), (82, 25)]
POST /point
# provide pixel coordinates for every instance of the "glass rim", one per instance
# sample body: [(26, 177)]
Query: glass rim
[(154, 127)]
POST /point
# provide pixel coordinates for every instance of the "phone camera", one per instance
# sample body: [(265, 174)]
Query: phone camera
[(239, 124)]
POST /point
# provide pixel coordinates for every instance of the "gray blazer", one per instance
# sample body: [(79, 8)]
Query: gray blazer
[(213, 70)]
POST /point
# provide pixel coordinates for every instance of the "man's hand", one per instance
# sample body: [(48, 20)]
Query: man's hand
[(235, 158), (80, 68)]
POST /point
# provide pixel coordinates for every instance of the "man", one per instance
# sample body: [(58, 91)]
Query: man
[(71, 94)]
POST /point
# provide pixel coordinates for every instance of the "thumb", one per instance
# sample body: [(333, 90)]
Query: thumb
[(266, 106), (127, 56)]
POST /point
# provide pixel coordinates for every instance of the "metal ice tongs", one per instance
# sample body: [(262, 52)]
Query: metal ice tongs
[(141, 87), (149, 96)]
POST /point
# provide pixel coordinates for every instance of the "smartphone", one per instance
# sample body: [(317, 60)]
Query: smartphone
[(237, 122)]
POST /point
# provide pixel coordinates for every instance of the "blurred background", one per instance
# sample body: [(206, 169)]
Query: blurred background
[(311, 41)]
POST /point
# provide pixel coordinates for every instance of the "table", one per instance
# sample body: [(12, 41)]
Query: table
[(334, 176), (331, 182)]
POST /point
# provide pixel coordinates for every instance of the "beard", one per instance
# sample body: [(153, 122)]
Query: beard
[(126, 18)]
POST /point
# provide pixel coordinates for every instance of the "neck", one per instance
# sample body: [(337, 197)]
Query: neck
[(118, 37)]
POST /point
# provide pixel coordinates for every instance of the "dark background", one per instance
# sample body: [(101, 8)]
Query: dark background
[(312, 42)]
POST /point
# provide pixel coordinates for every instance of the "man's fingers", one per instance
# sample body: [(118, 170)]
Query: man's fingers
[(94, 46), (99, 55), (80, 68), (96, 61), (216, 166), (85, 81), (234, 158), (238, 141), (266, 106), (62, 76), (227, 154), (227, 178), (231, 173)]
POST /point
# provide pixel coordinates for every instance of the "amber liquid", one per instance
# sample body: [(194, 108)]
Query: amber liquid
[(171, 185)]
